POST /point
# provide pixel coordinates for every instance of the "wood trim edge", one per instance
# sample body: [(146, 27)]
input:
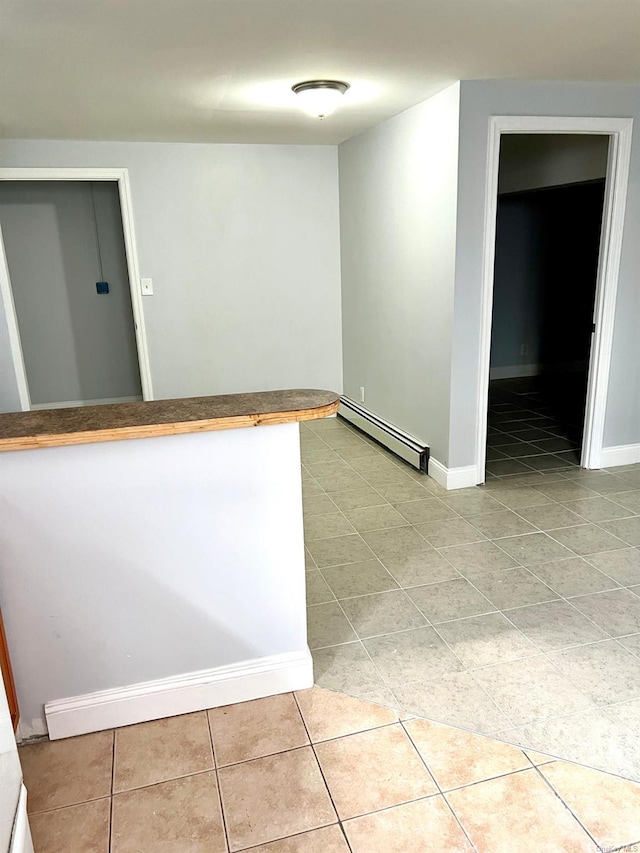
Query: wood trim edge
[(34, 442)]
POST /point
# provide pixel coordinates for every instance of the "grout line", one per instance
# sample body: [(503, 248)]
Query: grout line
[(315, 755), (437, 784), (567, 806), (223, 816), (113, 775)]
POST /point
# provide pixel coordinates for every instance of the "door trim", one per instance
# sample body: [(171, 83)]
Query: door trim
[(620, 131), (15, 345), (121, 177)]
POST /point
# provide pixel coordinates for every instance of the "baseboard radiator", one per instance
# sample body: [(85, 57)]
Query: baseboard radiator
[(394, 439)]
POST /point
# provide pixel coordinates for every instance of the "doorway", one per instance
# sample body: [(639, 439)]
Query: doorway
[(556, 192), (71, 300), (548, 227)]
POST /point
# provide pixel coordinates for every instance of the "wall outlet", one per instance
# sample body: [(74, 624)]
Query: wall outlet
[(524, 349), (362, 393)]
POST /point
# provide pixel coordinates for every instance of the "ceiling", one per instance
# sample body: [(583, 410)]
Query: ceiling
[(221, 70)]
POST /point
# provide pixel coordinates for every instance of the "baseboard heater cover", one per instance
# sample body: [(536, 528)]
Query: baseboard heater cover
[(411, 449)]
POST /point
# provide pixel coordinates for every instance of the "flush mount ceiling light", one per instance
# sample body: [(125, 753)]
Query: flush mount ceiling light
[(319, 98)]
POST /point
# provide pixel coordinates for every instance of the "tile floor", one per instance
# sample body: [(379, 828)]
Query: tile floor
[(511, 609), (535, 424), (315, 772)]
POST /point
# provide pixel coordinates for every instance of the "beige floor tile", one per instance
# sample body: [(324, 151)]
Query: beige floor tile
[(273, 797), (382, 613), (375, 518), (483, 640), (329, 839), (363, 578), (503, 523), (413, 655), (65, 772), (535, 548), (255, 729), (452, 599), (449, 531), (160, 750), (585, 539), (573, 577), (373, 770), (421, 567), (328, 626), (457, 758), (83, 827), (421, 511), (424, 826), (346, 668), (456, 699), (339, 551), (478, 557), (607, 806), (318, 591), (326, 525), (518, 814), (622, 565), (328, 714), (173, 817)]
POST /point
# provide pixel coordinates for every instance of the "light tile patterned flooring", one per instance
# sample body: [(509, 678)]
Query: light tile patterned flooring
[(315, 772), (511, 609)]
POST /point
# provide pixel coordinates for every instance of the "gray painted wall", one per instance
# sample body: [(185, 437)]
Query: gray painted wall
[(532, 160), (546, 264), (242, 243), (478, 101), (77, 344), (397, 217)]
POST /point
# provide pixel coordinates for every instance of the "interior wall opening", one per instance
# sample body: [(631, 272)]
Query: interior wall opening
[(65, 253), (551, 191)]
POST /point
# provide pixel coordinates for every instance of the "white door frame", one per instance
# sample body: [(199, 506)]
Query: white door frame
[(619, 130), (6, 296), (121, 177)]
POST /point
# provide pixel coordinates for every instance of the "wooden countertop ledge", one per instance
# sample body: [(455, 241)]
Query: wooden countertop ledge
[(118, 421)]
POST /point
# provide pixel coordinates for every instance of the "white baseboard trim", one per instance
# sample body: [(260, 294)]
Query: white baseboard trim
[(623, 454), (180, 694), (452, 478), (514, 371), (72, 404)]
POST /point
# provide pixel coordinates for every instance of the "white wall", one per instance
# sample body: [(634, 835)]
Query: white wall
[(242, 243), (398, 216), (530, 161), (77, 344), (129, 561), (478, 101)]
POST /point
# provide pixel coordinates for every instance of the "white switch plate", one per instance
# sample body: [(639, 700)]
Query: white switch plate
[(146, 285)]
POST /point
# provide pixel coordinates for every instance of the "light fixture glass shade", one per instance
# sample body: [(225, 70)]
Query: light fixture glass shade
[(319, 98)]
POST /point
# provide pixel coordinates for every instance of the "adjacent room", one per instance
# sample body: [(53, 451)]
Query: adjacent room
[(548, 237), (63, 245), (319, 427)]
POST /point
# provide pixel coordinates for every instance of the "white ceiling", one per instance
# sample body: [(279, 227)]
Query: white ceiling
[(221, 70)]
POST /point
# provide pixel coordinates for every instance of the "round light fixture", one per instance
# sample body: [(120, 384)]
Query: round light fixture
[(319, 98)]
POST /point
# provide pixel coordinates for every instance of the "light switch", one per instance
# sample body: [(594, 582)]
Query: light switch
[(146, 285)]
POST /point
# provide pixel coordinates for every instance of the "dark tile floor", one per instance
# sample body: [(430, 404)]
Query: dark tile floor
[(535, 424)]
